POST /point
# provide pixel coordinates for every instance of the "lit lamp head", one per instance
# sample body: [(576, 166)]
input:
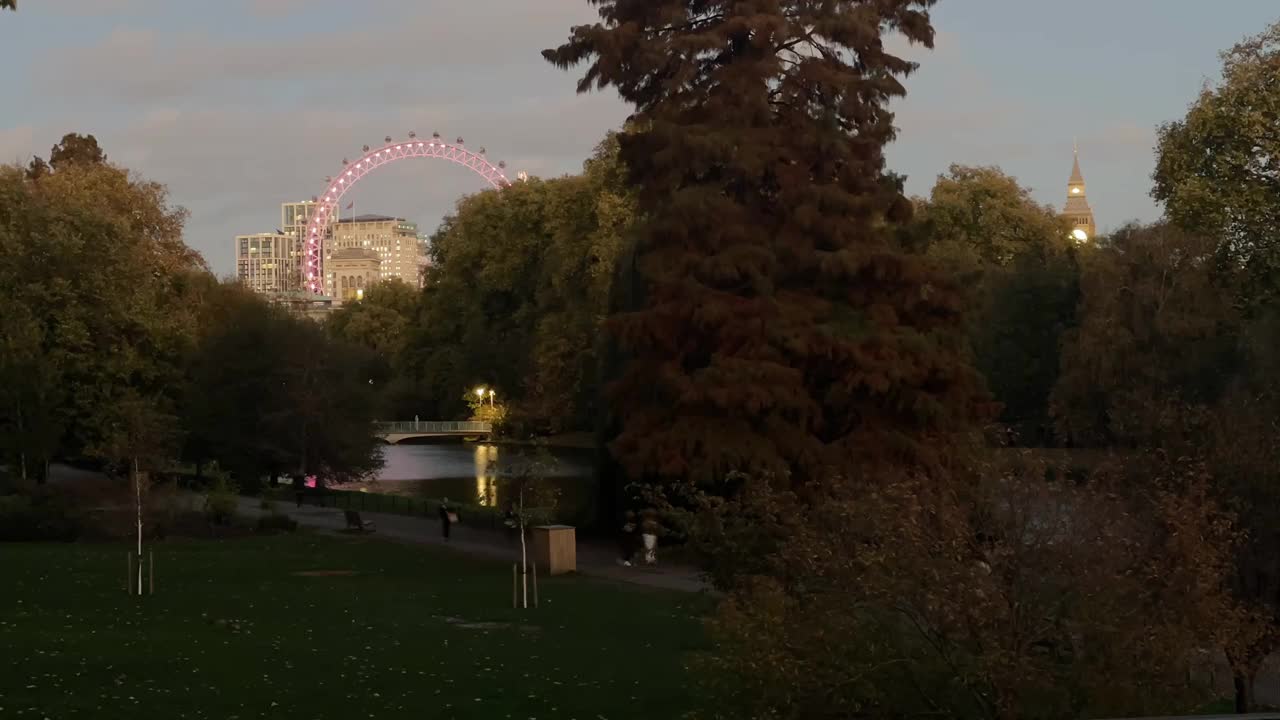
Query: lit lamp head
[(479, 392), (1080, 234)]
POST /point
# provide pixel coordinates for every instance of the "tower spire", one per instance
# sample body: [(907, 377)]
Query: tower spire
[(1077, 211), (1077, 177)]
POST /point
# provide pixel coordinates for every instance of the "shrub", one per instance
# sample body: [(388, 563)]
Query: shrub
[(277, 522), (221, 501)]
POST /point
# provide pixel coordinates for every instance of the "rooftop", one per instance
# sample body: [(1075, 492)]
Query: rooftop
[(371, 218)]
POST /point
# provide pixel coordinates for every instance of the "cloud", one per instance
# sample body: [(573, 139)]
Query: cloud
[(236, 120), (275, 8), (96, 8), (142, 65)]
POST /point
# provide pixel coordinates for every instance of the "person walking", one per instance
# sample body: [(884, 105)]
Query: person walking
[(627, 538), (511, 522), (649, 533), (447, 518)]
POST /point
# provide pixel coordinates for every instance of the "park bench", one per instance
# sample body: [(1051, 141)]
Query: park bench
[(355, 523)]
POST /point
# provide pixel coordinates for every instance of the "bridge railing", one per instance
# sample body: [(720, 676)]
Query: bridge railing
[(459, 427)]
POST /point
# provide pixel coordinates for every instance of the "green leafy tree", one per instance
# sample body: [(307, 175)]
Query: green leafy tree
[(781, 330), (1159, 331), (1216, 168), (76, 149), (96, 283), (382, 322), (517, 292), (1020, 271), (9, 4), (272, 394), (30, 388)]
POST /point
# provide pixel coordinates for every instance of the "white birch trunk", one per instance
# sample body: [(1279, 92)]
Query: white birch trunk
[(524, 558), (137, 493)]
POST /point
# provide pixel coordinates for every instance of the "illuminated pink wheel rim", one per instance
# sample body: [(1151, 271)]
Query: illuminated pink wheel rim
[(351, 174)]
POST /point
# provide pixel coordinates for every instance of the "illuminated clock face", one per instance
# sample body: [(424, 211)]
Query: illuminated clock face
[(1080, 234), (1075, 191)]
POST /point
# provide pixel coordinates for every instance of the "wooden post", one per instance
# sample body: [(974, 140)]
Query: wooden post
[(535, 584), (128, 572), (513, 586), (151, 572)]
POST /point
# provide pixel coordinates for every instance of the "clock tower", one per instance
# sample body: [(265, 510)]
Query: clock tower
[(1078, 212)]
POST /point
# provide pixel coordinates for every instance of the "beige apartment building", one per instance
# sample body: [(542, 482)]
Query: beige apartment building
[(353, 271), (394, 241), (268, 262)]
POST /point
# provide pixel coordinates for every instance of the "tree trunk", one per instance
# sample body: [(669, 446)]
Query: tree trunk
[(22, 456), (1243, 681), (1244, 670), (524, 558), (199, 469), (137, 493)]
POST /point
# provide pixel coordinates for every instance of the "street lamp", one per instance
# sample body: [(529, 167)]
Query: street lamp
[(491, 394), (480, 393)]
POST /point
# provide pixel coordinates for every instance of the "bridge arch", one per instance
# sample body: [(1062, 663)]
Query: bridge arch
[(318, 224)]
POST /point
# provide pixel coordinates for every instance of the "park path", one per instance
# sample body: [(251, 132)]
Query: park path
[(593, 560)]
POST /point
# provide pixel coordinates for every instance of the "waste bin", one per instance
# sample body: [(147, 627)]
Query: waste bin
[(555, 549)]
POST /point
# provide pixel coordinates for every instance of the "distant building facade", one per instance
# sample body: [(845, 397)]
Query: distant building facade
[(352, 270), (268, 262), (393, 240), (1077, 211)]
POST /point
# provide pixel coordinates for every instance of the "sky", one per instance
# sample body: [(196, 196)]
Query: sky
[(240, 105)]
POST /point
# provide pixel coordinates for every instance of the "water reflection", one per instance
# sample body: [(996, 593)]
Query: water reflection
[(486, 457), (470, 473)]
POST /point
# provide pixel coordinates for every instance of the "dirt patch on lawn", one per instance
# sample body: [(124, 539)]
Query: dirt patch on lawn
[(488, 626), (325, 573)]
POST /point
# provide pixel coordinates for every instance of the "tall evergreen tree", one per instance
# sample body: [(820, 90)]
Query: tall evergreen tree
[(781, 330)]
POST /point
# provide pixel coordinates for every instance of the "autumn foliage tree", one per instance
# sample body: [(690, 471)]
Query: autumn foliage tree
[(1011, 597), (780, 330)]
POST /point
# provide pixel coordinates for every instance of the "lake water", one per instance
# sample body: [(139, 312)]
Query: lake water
[(470, 472)]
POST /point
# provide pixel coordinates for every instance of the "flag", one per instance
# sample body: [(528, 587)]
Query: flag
[(351, 204)]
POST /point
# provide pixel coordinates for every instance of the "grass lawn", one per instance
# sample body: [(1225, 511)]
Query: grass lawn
[(234, 632)]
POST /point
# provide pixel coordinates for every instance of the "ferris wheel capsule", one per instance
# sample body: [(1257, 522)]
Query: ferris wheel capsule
[(387, 138), (366, 148), (412, 134), (459, 140)]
